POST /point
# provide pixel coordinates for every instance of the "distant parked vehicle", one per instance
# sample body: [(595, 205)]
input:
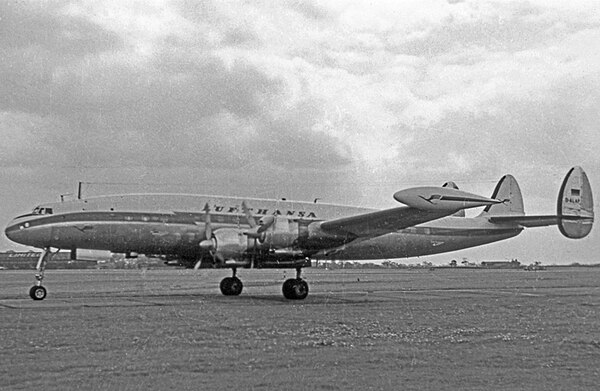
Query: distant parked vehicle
[(535, 267)]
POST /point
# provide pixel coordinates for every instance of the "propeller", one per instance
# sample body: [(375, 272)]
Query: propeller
[(258, 231), (227, 236), (208, 243), (207, 223)]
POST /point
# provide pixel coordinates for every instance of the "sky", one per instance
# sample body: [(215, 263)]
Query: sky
[(347, 101)]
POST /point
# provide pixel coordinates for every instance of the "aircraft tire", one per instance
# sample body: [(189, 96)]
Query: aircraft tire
[(231, 286), (37, 292), (295, 289)]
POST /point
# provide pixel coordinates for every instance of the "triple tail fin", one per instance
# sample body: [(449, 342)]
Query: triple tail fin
[(508, 191), (575, 206)]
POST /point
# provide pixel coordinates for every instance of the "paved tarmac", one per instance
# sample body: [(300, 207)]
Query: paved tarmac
[(358, 329)]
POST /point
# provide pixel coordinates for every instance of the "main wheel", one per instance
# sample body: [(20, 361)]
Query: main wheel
[(231, 286), (288, 288), (37, 292), (295, 289)]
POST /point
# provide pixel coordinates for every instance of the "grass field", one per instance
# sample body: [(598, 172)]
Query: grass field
[(402, 329)]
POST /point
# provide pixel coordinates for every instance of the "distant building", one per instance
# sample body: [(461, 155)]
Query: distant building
[(512, 264), (28, 260)]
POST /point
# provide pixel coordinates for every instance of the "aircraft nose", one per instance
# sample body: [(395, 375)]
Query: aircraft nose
[(15, 232)]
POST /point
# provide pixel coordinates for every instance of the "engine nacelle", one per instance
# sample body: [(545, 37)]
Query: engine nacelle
[(282, 233), (315, 238), (229, 243), (280, 239), (305, 235)]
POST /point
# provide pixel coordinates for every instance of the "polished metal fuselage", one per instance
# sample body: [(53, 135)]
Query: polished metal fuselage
[(174, 225)]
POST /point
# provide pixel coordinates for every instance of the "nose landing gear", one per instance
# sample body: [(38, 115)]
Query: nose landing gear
[(38, 292)]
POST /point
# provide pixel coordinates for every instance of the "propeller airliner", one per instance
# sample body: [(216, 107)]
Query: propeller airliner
[(231, 232)]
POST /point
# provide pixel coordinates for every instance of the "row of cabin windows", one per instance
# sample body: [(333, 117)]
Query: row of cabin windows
[(48, 211), (146, 218)]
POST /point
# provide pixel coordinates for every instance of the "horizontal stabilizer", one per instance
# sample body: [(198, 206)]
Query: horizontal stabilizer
[(531, 221)]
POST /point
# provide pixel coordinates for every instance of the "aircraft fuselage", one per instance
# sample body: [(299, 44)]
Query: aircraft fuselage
[(174, 225)]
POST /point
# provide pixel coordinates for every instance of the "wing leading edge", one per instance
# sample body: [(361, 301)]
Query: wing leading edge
[(424, 204), (382, 222)]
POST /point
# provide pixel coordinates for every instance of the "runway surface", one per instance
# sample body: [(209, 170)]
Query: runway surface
[(358, 329)]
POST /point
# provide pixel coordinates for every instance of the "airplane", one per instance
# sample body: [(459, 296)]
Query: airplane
[(202, 231)]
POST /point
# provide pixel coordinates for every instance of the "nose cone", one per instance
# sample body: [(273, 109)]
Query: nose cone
[(29, 230), (15, 232)]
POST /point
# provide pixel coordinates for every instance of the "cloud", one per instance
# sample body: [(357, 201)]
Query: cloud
[(298, 85), (313, 99)]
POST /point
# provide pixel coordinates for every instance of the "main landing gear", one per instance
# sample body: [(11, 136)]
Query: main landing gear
[(38, 292), (231, 286), (293, 288)]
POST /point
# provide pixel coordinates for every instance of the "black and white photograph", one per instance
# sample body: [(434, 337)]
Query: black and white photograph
[(313, 195)]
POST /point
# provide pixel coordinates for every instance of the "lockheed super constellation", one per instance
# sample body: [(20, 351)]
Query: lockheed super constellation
[(233, 232)]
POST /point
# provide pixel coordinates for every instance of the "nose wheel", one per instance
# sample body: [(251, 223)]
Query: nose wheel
[(38, 292)]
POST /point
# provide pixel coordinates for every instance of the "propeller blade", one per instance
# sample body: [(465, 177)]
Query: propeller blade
[(248, 215), (207, 223)]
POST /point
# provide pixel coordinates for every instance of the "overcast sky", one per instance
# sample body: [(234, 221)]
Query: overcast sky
[(348, 101)]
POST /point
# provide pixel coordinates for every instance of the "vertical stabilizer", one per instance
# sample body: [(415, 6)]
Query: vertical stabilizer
[(509, 192), (575, 200)]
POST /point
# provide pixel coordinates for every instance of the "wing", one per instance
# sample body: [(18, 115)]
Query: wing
[(424, 204), (382, 222)]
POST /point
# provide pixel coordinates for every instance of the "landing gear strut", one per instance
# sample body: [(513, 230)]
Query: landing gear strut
[(38, 292), (231, 286), (295, 288)]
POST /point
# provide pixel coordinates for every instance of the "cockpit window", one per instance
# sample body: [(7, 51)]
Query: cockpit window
[(42, 211)]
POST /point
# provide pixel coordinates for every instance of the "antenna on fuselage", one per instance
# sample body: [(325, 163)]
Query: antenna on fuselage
[(79, 190), (62, 196)]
